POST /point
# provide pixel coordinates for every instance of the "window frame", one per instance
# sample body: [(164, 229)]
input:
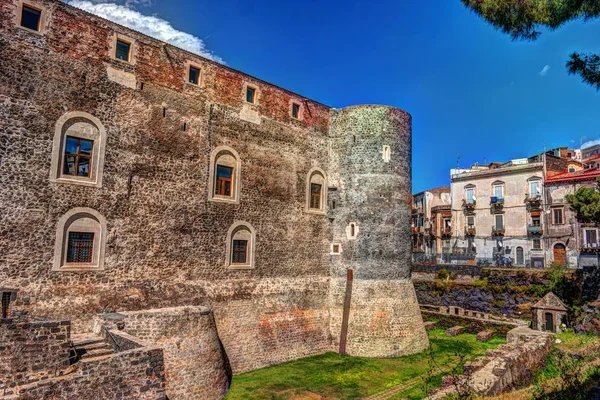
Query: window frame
[(34, 5), (562, 215), (119, 37), (498, 185), (241, 230), (467, 221), (296, 106), (316, 176), (99, 138), (81, 220), (78, 156), (254, 93), (538, 182), (236, 185), (585, 237), (332, 250), (187, 74), (128, 44), (534, 241), (496, 221)]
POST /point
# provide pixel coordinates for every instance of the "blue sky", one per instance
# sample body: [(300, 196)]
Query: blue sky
[(470, 89)]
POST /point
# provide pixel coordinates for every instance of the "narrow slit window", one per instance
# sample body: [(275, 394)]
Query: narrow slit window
[(80, 247), (250, 94), (194, 75), (30, 18), (352, 230), (78, 156), (6, 304), (240, 252), (224, 181), (123, 50), (315, 196), (295, 110)]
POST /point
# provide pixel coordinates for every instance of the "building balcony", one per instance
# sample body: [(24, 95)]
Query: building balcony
[(470, 231), (445, 232), (590, 247), (420, 230), (535, 229), (498, 231), (413, 231), (497, 203), (533, 202), (469, 205)]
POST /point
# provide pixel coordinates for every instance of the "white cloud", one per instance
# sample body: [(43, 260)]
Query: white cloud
[(544, 70), (152, 26), (590, 143)]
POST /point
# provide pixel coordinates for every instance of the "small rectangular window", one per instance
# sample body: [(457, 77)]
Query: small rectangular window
[(122, 51), (295, 110), (499, 221), (80, 247), (250, 93), (30, 18), (315, 196), (470, 195), (335, 248), (537, 244), (499, 191), (470, 221), (558, 216), (591, 238), (194, 75), (535, 220), (5, 305), (224, 180), (78, 156), (240, 251)]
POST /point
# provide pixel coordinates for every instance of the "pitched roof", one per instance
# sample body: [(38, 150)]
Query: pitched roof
[(551, 302), (441, 189), (583, 175)]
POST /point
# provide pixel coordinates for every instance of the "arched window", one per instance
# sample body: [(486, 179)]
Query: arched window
[(241, 239), (316, 191), (80, 241), (224, 175), (78, 150), (387, 153), (498, 190), (352, 230), (520, 256)]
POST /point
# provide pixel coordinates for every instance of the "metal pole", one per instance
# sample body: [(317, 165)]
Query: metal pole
[(346, 315)]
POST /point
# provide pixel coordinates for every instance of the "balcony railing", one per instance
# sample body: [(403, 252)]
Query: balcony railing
[(446, 231), (535, 229), (469, 205), (497, 231), (497, 200), (497, 203), (469, 231)]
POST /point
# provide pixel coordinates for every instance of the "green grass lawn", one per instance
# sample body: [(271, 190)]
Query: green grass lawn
[(333, 376)]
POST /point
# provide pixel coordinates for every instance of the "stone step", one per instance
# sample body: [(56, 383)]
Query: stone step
[(97, 353), (93, 346), (86, 340)]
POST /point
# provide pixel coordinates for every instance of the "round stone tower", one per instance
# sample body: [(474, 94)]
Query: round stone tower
[(370, 205)]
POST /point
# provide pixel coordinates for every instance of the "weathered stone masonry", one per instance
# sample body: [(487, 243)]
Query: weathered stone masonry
[(165, 238)]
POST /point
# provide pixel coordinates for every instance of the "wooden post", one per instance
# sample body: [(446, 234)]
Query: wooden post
[(346, 315)]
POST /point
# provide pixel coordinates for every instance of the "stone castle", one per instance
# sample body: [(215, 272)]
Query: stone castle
[(140, 179)]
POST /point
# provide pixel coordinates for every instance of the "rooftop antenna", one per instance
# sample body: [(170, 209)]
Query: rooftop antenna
[(457, 160), (544, 146), (484, 161)]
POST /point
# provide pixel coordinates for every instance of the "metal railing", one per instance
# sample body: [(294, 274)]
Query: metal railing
[(112, 338)]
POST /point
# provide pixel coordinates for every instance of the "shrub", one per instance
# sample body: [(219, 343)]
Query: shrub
[(443, 274)]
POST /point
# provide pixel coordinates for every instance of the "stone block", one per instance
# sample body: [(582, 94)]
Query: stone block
[(485, 336), (455, 330), (430, 325)]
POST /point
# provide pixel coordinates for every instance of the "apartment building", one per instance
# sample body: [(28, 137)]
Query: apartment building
[(431, 218)]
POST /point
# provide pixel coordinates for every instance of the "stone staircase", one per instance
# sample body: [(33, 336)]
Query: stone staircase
[(89, 347)]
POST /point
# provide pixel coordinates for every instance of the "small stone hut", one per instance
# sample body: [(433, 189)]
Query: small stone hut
[(549, 313)]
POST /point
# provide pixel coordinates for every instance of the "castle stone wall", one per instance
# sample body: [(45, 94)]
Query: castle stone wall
[(374, 194)]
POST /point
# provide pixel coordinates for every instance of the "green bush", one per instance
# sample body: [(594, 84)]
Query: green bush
[(443, 274)]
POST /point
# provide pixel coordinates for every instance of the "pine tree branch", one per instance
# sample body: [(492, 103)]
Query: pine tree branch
[(587, 66)]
